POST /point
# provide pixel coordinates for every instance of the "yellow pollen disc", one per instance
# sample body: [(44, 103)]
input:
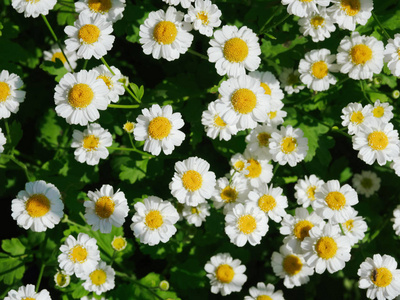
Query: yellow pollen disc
[(306, 0), (129, 126), (229, 194), (4, 91), (90, 142), (350, 7), (266, 88), (378, 112), (349, 224), (398, 53), (192, 180), (244, 101), (382, 277), (335, 200), (28, 298), (78, 254), (107, 80), (159, 128), (378, 140), (239, 165), (153, 219), (235, 50), (219, 122), (60, 56), (32, 1), (254, 168), (266, 203), (119, 243), (104, 207), (100, 6), (272, 114), (263, 139), (288, 144), (366, 182), (264, 297), (326, 247), (301, 229), (165, 32), (247, 224), (319, 69), (311, 192), (357, 117), (194, 210), (203, 16), (37, 205), (225, 273), (292, 264), (360, 54), (89, 33), (98, 277), (61, 279), (80, 95), (317, 21)]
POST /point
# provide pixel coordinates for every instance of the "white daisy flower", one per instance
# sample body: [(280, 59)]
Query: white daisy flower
[(164, 34), (260, 170), (396, 220), (80, 96), (159, 128), (288, 146), (263, 291), (111, 9), (215, 126), (291, 267), (225, 273), (33, 8), (154, 220), (392, 57), (27, 292), (258, 141), (10, 95), (184, 3), (62, 279), (196, 215), (270, 200), (115, 86), (303, 8), (290, 81), (348, 13), (129, 126), (101, 280), (326, 249), (378, 141), (79, 256), (360, 56), (239, 164), (269, 83), (334, 202), (246, 223), (318, 25), (38, 207), (380, 276), (306, 189), (234, 51), (204, 16), (366, 183), (3, 141), (275, 114), (395, 165), (106, 209), (55, 53), (90, 36), (91, 144), (354, 228), (315, 69), (355, 117), (381, 111), (119, 243), (192, 183)]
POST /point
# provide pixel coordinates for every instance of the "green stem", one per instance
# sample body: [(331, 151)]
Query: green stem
[(131, 149), (7, 131), (66, 220), (85, 64), (341, 229), (277, 24), (123, 106), (341, 132), (197, 54), (362, 85), (123, 275), (278, 10), (377, 232), (276, 169), (131, 140), (387, 36), (40, 277), (20, 164)]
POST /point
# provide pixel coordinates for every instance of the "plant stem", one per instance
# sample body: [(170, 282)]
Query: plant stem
[(123, 106), (131, 149), (362, 84), (387, 36), (131, 140), (120, 274), (7, 131), (20, 164), (341, 229), (276, 25), (278, 10), (197, 54), (40, 277), (85, 64)]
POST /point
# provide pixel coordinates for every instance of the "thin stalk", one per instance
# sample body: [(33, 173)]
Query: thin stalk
[(7, 131), (131, 149), (341, 229), (279, 23), (387, 36), (278, 10), (123, 275), (123, 106), (362, 84), (197, 54), (341, 132), (85, 64), (20, 164), (131, 140), (40, 277)]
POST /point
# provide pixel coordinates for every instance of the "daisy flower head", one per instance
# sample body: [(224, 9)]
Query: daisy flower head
[(164, 34), (80, 96), (354, 228), (159, 128), (326, 249), (348, 13), (260, 170), (225, 273), (204, 16), (318, 25), (355, 117), (380, 276), (192, 182), (234, 51), (315, 69), (377, 142), (258, 141), (381, 111), (10, 95), (111, 9), (91, 144), (55, 53), (154, 220), (184, 3), (288, 145), (306, 189), (90, 36), (79, 256), (366, 183), (303, 8), (239, 164), (269, 83), (62, 279), (291, 267), (396, 220), (275, 114), (3, 141), (112, 80), (263, 291), (100, 280), (33, 8), (119, 243), (196, 215), (129, 126), (290, 81), (392, 57), (246, 223), (334, 202), (38, 207), (360, 56), (27, 292)]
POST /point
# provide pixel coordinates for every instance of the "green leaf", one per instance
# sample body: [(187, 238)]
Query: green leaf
[(79, 292), (11, 269), (54, 68), (65, 12), (133, 171), (49, 128), (13, 246)]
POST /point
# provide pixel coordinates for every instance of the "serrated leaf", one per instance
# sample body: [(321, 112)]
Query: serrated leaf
[(13, 246), (133, 171), (11, 269), (54, 68)]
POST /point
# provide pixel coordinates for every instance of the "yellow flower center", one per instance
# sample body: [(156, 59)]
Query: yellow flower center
[(263, 139), (272, 114), (98, 277), (4, 91), (366, 183), (159, 128), (89, 33), (378, 112), (229, 194), (264, 297), (301, 229), (335, 200), (306, 0), (239, 165), (165, 32), (80, 95), (219, 122), (28, 298), (349, 224), (129, 126), (107, 80), (100, 6), (194, 210), (254, 168), (350, 7), (247, 224), (235, 50), (244, 101), (154, 219), (37, 205), (78, 254), (326, 247), (203, 16), (311, 192), (360, 54), (61, 279), (192, 180), (292, 264), (319, 69), (119, 243), (104, 207), (381, 277), (266, 203), (225, 273), (60, 56), (317, 21), (266, 88), (288, 144), (378, 140), (357, 117), (90, 142)]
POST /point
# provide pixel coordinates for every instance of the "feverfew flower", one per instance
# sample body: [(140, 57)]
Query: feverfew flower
[(10, 95), (275, 114), (62, 279), (196, 215), (259, 170), (111, 9), (33, 8), (317, 25), (348, 13), (119, 243), (392, 57), (204, 16), (3, 141), (303, 8), (258, 141), (100, 280), (263, 291), (56, 53), (290, 81), (381, 111), (354, 228), (270, 84), (355, 117), (239, 164), (27, 292), (129, 127), (215, 126), (306, 189), (112, 80), (396, 220), (366, 183)]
